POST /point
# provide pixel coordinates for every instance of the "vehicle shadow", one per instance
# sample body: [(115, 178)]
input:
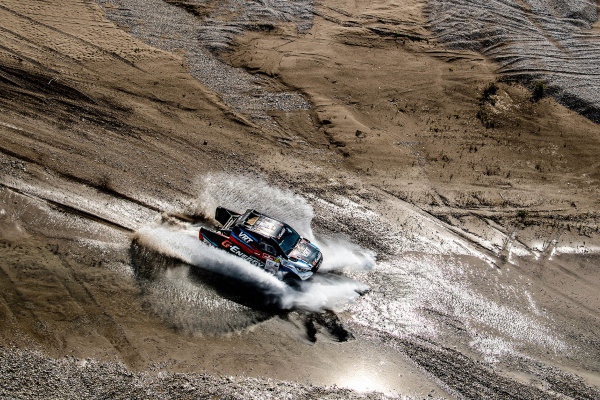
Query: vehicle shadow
[(150, 265), (216, 303)]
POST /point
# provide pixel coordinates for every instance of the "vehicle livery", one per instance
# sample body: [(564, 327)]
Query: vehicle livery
[(264, 242)]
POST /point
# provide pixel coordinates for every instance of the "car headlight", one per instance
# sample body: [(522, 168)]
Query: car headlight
[(302, 268), (298, 266)]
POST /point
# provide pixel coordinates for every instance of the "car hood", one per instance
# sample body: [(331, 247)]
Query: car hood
[(307, 252)]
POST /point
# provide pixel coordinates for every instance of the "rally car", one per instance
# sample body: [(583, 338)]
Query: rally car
[(265, 242)]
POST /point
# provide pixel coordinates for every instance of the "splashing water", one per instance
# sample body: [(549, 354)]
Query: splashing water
[(341, 254), (185, 246), (239, 193), (180, 242), (321, 293), (335, 293)]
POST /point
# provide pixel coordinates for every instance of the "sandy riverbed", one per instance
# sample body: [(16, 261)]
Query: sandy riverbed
[(458, 215)]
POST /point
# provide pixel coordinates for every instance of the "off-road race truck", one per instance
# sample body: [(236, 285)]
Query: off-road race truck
[(265, 242)]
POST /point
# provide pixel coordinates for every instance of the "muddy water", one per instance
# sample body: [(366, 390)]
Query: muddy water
[(450, 298), (156, 246), (422, 309), (447, 297)]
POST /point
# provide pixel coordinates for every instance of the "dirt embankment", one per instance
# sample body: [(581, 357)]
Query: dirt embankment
[(550, 45), (436, 127)]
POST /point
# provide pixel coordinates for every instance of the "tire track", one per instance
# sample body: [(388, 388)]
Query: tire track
[(26, 43), (104, 322), (538, 40), (16, 309), (70, 36), (29, 311)]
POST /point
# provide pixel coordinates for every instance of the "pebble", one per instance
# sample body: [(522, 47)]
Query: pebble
[(28, 374)]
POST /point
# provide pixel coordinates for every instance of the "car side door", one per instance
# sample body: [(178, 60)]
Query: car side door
[(244, 239)]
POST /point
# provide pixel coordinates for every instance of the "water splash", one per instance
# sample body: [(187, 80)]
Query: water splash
[(319, 294), (239, 193), (341, 254)]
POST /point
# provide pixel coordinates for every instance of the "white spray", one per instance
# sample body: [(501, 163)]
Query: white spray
[(318, 294), (240, 193), (341, 254)]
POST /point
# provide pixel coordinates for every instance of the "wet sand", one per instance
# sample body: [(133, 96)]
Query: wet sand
[(481, 208)]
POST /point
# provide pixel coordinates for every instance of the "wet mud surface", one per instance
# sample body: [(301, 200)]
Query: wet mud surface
[(460, 255)]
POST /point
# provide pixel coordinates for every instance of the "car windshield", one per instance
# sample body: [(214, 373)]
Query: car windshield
[(287, 239)]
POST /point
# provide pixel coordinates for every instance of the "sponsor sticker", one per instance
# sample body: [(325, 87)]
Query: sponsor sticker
[(245, 237), (271, 266), (236, 250)]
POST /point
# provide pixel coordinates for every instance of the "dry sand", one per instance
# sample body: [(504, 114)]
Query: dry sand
[(101, 133)]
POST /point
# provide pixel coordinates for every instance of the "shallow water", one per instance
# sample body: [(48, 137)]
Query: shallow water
[(442, 299), (447, 295)]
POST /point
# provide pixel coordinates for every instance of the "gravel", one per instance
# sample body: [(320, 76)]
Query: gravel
[(29, 374), (201, 38)]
